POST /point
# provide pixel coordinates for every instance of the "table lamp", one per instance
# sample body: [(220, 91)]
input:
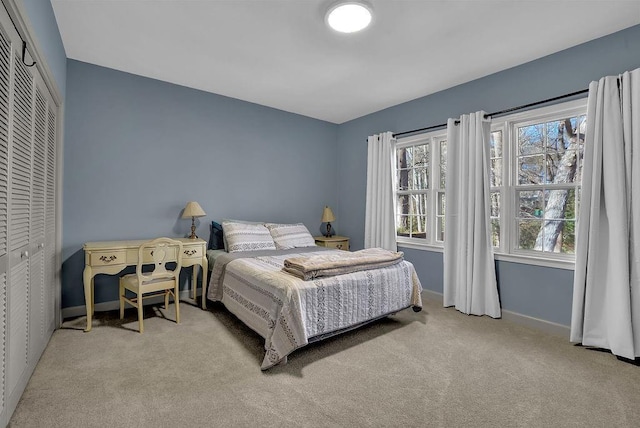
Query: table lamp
[(328, 217), (193, 210)]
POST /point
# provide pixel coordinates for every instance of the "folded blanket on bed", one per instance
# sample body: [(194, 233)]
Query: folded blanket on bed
[(340, 263)]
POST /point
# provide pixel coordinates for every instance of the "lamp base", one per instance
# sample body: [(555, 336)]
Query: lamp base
[(193, 229), (328, 234)]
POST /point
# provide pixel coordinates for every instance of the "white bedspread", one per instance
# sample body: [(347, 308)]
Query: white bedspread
[(288, 311)]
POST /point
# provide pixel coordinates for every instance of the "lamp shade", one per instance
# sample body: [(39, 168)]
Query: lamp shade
[(193, 209), (327, 215)]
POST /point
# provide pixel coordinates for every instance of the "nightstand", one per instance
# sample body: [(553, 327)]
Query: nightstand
[(339, 242)]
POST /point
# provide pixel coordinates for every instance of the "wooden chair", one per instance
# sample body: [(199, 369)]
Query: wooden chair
[(159, 281)]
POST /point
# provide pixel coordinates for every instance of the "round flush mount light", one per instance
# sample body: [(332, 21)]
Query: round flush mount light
[(349, 16)]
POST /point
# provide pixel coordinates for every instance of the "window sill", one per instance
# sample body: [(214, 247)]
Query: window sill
[(421, 246), (568, 264)]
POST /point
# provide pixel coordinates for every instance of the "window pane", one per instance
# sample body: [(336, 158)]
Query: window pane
[(409, 156), (402, 158), (440, 217), (402, 206), (559, 203), (568, 242), (531, 169), (418, 205), (496, 144), (440, 228), (551, 236), (418, 209), (496, 173), (495, 232), (555, 135), (419, 179), (531, 204), (563, 168), (531, 139), (443, 163), (441, 202), (419, 227), (495, 204), (403, 225), (421, 155), (528, 231), (581, 128), (411, 215), (403, 179)]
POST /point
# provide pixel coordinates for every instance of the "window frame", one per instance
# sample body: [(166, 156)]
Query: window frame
[(511, 186), (508, 249), (433, 139)]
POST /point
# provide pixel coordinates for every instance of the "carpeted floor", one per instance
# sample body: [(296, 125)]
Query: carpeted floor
[(437, 368)]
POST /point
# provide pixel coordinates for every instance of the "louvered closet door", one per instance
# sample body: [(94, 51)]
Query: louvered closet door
[(37, 227), (19, 222), (29, 263), (5, 63), (50, 223)]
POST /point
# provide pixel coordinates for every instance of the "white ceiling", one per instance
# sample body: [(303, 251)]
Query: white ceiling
[(279, 53)]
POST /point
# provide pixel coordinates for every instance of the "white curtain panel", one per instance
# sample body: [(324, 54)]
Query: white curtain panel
[(379, 223), (606, 287), (469, 270)]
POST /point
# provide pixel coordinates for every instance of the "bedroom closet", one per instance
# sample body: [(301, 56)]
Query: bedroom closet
[(29, 269)]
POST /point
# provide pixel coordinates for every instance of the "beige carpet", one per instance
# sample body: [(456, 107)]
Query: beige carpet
[(437, 368)]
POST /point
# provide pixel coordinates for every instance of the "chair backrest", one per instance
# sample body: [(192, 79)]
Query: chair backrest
[(159, 252)]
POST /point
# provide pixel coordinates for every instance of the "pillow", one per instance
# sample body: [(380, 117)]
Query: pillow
[(247, 237), (216, 238), (288, 236), (229, 220)]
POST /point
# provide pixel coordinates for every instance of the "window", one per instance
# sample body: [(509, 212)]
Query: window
[(420, 188), (536, 171), (547, 175)]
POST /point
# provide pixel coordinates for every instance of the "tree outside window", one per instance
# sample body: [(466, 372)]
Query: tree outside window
[(534, 183)]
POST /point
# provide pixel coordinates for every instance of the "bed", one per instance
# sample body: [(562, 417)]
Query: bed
[(290, 312)]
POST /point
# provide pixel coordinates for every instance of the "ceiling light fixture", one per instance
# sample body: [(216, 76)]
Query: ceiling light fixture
[(349, 16)]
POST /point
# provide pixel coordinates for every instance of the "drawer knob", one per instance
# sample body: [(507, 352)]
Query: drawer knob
[(190, 252), (106, 259)]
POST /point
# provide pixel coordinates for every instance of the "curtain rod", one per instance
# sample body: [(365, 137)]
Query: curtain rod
[(497, 113)]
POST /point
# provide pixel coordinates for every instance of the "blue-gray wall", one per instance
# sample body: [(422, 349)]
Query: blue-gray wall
[(252, 162), (530, 290), (137, 149), (43, 21)]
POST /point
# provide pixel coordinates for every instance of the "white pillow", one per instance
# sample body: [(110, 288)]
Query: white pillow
[(232, 220), (288, 236), (247, 237)]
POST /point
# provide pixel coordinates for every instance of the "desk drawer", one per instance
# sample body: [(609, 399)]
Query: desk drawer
[(192, 252), (340, 245), (147, 255), (104, 258)]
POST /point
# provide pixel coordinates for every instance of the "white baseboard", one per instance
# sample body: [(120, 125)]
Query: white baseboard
[(537, 323), (432, 295), (78, 311)]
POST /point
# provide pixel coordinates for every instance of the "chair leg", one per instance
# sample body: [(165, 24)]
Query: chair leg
[(140, 316), (177, 301), (121, 295), (166, 299)]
